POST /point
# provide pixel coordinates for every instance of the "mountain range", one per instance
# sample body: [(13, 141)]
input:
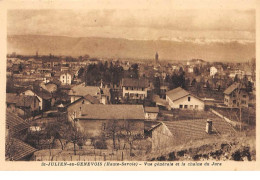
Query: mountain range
[(124, 48)]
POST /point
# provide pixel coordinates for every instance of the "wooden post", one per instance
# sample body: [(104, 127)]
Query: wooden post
[(122, 156)]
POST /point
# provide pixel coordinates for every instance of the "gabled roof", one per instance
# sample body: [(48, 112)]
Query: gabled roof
[(20, 100), (177, 93), (131, 82), (91, 99), (21, 149), (194, 129), (112, 112), (88, 97), (231, 88), (151, 109), (43, 93), (82, 90), (11, 98), (15, 123)]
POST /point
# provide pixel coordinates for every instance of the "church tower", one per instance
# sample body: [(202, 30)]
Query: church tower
[(156, 58)]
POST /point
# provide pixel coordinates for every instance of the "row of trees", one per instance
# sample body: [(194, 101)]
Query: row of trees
[(108, 73)]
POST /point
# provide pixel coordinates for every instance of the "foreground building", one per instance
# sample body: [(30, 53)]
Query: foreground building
[(178, 98), (96, 119)]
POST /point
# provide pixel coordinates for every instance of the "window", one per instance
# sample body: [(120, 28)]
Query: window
[(188, 98), (63, 77), (132, 88), (234, 101), (185, 106), (243, 102), (83, 101), (191, 106), (196, 106), (142, 89), (181, 106), (244, 96), (126, 88)]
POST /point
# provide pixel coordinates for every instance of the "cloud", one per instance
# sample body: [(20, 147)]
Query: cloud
[(135, 24)]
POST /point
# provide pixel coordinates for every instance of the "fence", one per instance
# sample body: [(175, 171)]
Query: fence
[(95, 155)]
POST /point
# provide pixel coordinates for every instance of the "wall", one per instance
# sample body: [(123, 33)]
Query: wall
[(135, 91), (184, 101), (161, 138), (95, 128), (228, 99), (152, 116), (30, 93), (75, 107), (74, 98), (65, 79)]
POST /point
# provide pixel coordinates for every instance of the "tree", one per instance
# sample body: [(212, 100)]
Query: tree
[(134, 68), (236, 78), (112, 129), (157, 85)]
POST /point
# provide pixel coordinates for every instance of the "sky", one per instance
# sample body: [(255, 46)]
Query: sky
[(197, 25)]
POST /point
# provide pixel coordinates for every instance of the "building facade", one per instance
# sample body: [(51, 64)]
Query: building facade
[(180, 99), (134, 88)]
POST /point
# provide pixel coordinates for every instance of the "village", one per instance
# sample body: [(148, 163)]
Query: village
[(62, 108)]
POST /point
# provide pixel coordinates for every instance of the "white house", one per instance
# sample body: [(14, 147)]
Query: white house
[(135, 88), (65, 79), (213, 71), (190, 69), (178, 98)]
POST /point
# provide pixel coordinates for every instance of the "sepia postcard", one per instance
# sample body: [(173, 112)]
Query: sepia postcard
[(129, 85)]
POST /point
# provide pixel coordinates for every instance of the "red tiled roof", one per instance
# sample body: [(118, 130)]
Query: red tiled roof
[(151, 109), (231, 88), (188, 130), (177, 93), (21, 149), (82, 90), (100, 111), (15, 123), (130, 82)]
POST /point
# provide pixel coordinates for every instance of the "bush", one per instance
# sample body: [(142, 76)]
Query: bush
[(100, 144)]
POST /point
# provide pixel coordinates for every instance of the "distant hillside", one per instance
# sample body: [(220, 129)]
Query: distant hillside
[(123, 48)]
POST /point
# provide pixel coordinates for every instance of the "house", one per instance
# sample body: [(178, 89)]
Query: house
[(160, 135), (164, 87), (235, 95), (81, 90), (77, 105), (151, 112), (237, 72), (134, 88), (191, 130), (178, 98), (29, 104), (44, 96), (65, 78), (50, 87), (94, 119), (213, 71), (190, 69), (15, 148), (105, 96)]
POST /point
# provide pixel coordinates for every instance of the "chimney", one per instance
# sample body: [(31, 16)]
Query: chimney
[(209, 126)]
